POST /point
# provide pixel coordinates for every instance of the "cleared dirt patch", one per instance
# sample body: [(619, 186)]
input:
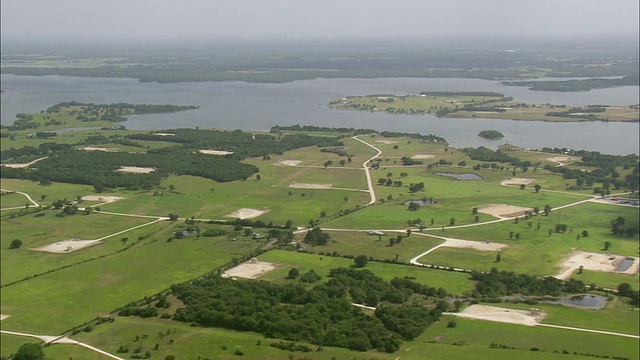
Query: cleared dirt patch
[(296, 185), (164, 134), (594, 261), (106, 199), (92, 148), (562, 159), (476, 245), (289, 162), (67, 246), (386, 142), (497, 314), (251, 269), (2, 317), (247, 213), (502, 210), (423, 156), (518, 181), (136, 169), (216, 152)]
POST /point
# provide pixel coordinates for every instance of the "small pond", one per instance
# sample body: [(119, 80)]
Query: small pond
[(420, 202), (462, 176), (595, 302), (625, 264)]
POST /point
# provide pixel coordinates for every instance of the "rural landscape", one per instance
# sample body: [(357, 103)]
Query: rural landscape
[(320, 195)]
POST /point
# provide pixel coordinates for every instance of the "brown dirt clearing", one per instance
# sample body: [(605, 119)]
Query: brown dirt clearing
[(518, 181), (247, 213), (136, 169), (497, 314), (296, 185), (503, 210), (594, 261), (67, 246), (251, 269)]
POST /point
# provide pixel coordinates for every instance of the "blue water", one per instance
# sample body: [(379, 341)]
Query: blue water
[(625, 265), (258, 107)]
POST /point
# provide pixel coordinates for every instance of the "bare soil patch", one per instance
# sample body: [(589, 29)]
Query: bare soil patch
[(561, 159), (103, 198), (67, 246), (296, 185), (594, 261), (476, 245), (136, 169), (164, 134), (251, 269), (386, 142), (2, 317), (247, 213), (215, 152), (497, 314), (93, 148), (518, 181), (289, 162), (423, 156), (502, 210)]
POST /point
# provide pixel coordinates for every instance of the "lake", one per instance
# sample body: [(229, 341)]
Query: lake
[(251, 106)]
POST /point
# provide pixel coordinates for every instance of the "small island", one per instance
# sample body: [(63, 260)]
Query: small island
[(489, 105), (491, 134)]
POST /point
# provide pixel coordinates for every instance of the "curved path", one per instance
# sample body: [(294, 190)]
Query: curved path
[(49, 340), (367, 171), (25, 194)]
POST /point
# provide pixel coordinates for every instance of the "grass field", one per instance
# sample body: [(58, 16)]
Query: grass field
[(62, 291), (45, 304)]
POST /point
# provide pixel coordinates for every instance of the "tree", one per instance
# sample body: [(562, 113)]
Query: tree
[(498, 258), (29, 351), (607, 245), (474, 211), (511, 233), (476, 218), (537, 187), (173, 217), (316, 236), (452, 221), (293, 273), (328, 163), (258, 177), (15, 244), (414, 206), (517, 236), (547, 210), (522, 186), (342, 162), (408, 232), (580, 269), (361, 260)]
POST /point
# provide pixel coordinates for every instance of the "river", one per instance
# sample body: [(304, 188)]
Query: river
[(251, 106)]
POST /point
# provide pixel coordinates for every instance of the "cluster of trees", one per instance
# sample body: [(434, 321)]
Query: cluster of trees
[(485, 154), (322, 315), (242, 144), (576, 85), (626, 290), (618, 229), (316, 236), (44, 149), (491, 134), (120, 108), (407, 161), (500, 283), (430, 138), (310, 128), (98, 168)]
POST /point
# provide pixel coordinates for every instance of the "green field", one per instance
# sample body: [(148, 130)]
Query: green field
[(50, 294)]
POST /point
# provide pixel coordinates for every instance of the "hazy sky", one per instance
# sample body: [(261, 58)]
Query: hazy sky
[(318, 19)]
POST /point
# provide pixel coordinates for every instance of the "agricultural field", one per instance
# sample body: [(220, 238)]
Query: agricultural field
[(88, 251)]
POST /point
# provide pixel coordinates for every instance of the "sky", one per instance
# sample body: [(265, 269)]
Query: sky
[(284, 19)]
